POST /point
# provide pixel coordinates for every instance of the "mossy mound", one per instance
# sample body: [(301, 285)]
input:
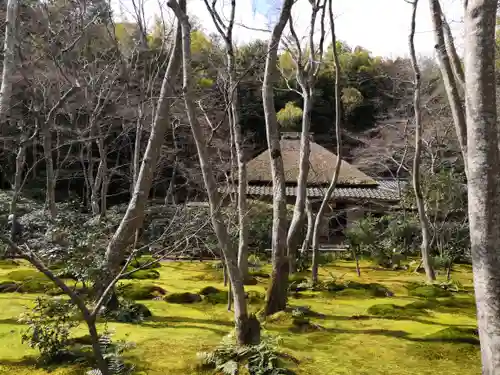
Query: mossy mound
[(296, 278), (455, 334), (144, 275), (30, 281), (129, 313), (250, 281), (8, 263), (9, 287), (356, 289), (390, 311), (427, 291), (140, 291), (25, 275), (185, 297), (209, 290), (450, 344)]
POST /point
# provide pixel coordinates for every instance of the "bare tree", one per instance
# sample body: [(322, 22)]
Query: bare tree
[(9, 53), (135, 212), (247, 328), (277, 291), (226, 32), (306, 77), (483, 174), (422, 214), (333, 183), (446, 64)]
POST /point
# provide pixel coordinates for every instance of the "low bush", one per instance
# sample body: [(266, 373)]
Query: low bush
[(9, 287), (134, 291), (185, 297), (261, 274), (144, 275), (356, 289), (128, 312), (250, 281), (26, 275), (217, 298)]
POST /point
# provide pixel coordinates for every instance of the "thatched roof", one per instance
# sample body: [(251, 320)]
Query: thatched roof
[(322, 167)]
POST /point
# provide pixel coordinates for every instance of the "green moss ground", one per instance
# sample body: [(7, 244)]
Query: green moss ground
[(435, 340)]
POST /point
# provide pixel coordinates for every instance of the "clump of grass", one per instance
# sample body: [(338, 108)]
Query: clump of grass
[(8, 263), (30, 281), (356, 289), (255, 297), (185, 297), (9, 287), (135, 291), (217, 298), (209, 290)]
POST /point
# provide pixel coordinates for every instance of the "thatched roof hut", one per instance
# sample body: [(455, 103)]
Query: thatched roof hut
[(322, 166)]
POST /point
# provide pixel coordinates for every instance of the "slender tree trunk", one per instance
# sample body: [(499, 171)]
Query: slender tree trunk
[(96, 347), (9, 61), (246, 332), (422, 214), (278, 288), (484, 174), (310, 224), (133, 217), (49, 170), (18, 180), (298, 219), (449, 80), (333, 183)]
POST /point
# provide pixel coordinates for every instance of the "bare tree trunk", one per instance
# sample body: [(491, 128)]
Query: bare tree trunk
[(18, 180), (133, 217), (246, 332), (310, 224), (333, 183), (484, 174), (226, 32), (49, 170), (422, 214), (9, 53), (298, 218), (449, 80), (277, 292)]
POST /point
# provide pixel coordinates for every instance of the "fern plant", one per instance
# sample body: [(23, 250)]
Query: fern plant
[(263, 359)]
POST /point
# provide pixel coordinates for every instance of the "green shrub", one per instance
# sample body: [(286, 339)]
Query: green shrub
[(129, 312), (49, 324), (185, 297), (356, 289), (217, 298), (144, 275), (134, 291), (455, 334)]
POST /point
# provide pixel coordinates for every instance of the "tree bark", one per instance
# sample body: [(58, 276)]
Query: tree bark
[(246, 332), (277, 292), (50, 192), (338, 136), (310, 223), (448, 76), (484, 174), (135, 212), (422, 214), (9, 61)]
